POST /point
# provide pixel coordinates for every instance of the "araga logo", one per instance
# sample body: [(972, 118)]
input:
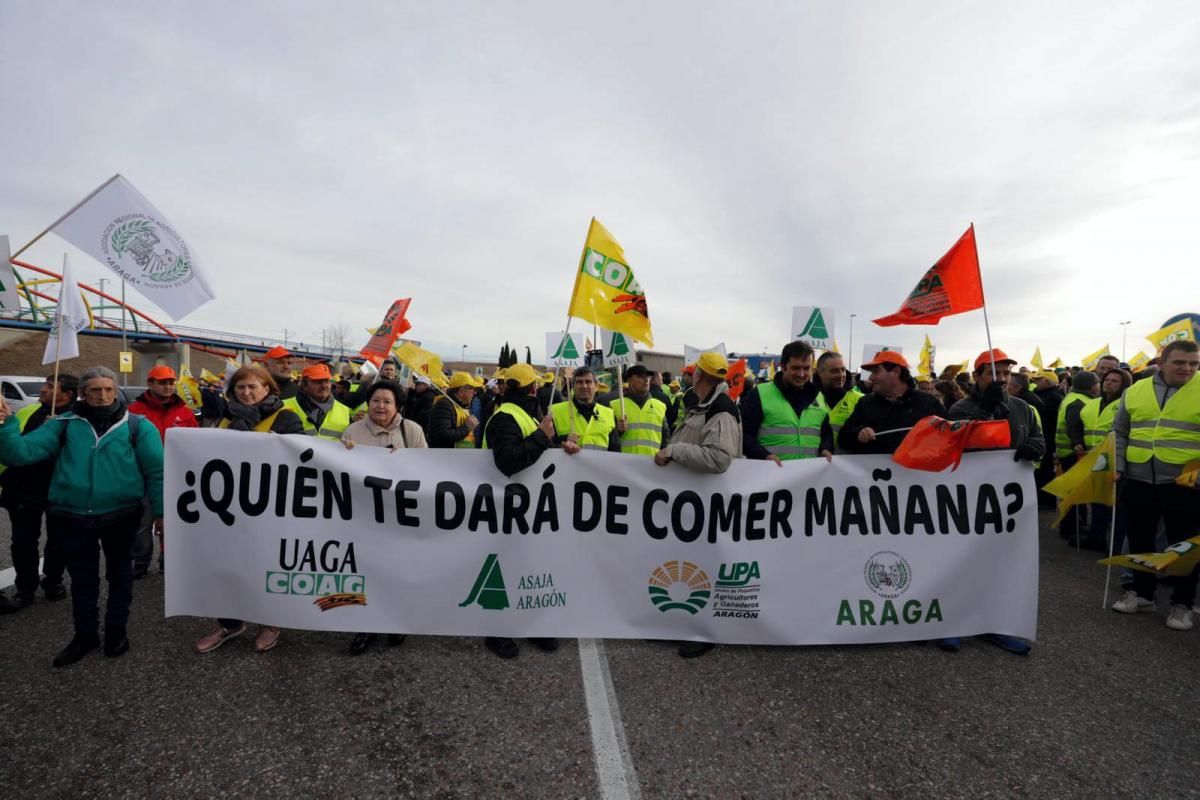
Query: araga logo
[(328, 572), (888, 575)]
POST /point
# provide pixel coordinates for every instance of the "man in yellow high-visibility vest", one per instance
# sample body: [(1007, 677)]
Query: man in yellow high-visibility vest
[(832, 378), (321, 415), (642, 419), (589, 425), (1157, 430)]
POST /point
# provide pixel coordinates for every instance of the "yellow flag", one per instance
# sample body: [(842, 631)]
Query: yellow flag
[(188, 389), (1089, 481), (1090, 361), (606, 293), (1178, 559), (925, 368), (208, 377), (421, 361), (1036, 360), (1055, 364), (964, 367), (1139, 362), (1181, 331), (770, 370)]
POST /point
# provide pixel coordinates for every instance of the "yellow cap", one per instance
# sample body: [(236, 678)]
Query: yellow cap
[(499, 376), (461, 379), (547, 377), (713, 363), (523, 374)]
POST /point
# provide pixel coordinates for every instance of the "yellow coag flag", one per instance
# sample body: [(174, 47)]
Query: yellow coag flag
[(208, 377), (1090, 361), (1089, 481), (1181, 331), (1139, 362), (188, 389), (1036, 360), (925, 368), (1178, 559), (606, 293), (422, 361), (1055, 364)]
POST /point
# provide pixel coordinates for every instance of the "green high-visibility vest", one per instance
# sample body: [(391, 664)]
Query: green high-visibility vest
[(785, 434), (844, 408), (593, 433), (527, 423), (643, 426), (1062, 442), (1096, 422), (332, 426), (22, 415), (1170, 434)]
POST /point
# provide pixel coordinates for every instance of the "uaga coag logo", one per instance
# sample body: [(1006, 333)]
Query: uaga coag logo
[(328, 572)]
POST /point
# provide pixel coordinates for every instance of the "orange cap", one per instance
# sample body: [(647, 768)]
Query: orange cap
[(278, 351), (887, 357), (996, 354), (317, 372), (161, 373)]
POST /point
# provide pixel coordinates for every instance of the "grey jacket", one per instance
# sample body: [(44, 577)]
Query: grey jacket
[(710, 437), (1024, 427), (1154, 470)]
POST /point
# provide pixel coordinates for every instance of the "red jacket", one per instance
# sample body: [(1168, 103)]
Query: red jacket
[(172, 413)]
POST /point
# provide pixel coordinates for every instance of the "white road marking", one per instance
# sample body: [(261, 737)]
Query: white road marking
[(614, 766), (9, 576)]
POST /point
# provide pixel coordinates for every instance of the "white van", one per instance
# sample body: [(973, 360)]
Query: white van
[(21, 390)]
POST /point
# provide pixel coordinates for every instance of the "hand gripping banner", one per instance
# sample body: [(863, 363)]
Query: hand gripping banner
[(288, 531)]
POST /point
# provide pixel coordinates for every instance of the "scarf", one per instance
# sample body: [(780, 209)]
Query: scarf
[(101, 417), (244, 418), (313, 409)]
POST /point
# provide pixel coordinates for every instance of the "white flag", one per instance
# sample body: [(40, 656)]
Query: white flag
[(692, 354), (119, 227), (69, 319), (9, 302)]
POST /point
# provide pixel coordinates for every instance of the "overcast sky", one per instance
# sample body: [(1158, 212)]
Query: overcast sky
[(323, 159)]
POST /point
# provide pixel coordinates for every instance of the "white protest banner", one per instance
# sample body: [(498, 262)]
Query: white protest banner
[(692, 354), (70, 317), (120, 228), (10, 304), (814, 325), (301, 533), (564, 349), (617, 349)]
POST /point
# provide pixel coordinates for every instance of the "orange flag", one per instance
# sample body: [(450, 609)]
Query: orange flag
[(951, 286), (393, 326), (735, 376), (935, 443)]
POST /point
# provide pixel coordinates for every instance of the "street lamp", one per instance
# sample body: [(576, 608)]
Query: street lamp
[(464, 356), (1124, 332)]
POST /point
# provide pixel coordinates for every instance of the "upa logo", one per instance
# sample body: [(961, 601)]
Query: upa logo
[(679, 585), (737, 590), (147, 252), (888, 574)]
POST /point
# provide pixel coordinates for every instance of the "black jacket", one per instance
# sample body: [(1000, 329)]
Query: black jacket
[(443, 432), (512, 451), (1051, 399), (288, 388), (876, 412), (752, 415), (1025, 436), (28, 485), (419, 405)]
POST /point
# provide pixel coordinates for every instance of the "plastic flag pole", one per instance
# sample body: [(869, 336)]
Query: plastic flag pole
[(1112, 535)]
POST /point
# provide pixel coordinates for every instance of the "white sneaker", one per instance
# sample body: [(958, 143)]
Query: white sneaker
[(1180, 618), (1131, 603)]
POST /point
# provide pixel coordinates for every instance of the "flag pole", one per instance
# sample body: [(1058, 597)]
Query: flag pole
[(621, 392), (74, 208), (986, 327), (1112, 535), (58, 342)]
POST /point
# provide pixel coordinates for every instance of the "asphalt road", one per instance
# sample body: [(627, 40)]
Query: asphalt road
[(1104, 707)]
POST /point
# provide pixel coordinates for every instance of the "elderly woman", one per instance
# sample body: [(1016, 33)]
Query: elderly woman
[(108, 460), (384, 426), (254, 405)]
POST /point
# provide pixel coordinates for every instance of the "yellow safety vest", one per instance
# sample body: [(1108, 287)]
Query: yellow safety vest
[(593, 433), (1062, 442), (844, 408), (527, 423), (23, 415), (332, 426), (1170, 434), (1096, 422), (264, 426), (785, 434), (643, 426)]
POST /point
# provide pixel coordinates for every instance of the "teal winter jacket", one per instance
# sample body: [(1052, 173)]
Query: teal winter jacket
[(93, 475)]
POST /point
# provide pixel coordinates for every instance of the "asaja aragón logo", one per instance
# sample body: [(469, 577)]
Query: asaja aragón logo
[(534, 590), (160, 255), (678, 577), (888, 574), (488, 590)]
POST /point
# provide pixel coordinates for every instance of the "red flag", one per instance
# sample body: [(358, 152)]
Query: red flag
[(735, 376), (934, 443), (394, 324), (951, 286)]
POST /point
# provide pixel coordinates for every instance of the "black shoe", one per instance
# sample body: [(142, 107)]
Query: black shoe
[(139, 571), (395, 639), (360, 643), (79, 647), (7, 606), (22, 600), (505, 648), (545, 645), (116, 642), (54, 591), (695, 649)]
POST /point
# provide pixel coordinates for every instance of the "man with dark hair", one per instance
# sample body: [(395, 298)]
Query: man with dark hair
[(1051, 396), (1106, 363), (839, 398), (581, 423), (1158, 433), (883, 418), (642, 420), (517, 440), (23, 492), (787, 418)]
